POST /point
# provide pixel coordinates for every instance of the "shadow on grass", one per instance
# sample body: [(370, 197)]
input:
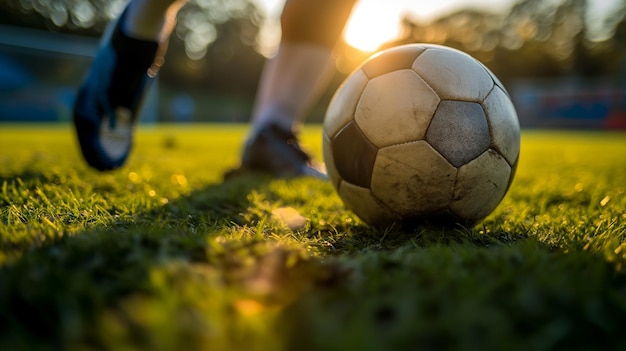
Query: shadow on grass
[(109, 286), (55, 293), (165, 276)]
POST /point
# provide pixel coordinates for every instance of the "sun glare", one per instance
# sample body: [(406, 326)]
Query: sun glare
[(371, 24), (374, 22)]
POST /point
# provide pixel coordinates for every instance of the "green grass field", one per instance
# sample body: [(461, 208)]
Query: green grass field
[(163, 255)]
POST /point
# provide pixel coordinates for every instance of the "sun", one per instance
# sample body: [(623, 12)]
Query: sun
[(371, 24)]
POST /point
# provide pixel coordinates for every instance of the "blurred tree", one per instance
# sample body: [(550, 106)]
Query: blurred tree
[(220, 60), (82, 16), (616, 52), (197, 21), (537, 38)]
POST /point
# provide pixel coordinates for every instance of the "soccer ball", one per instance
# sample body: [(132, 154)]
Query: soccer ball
[(421, 134)]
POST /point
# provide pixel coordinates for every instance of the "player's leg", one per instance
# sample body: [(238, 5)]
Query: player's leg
[(108, 102), (291, 82)]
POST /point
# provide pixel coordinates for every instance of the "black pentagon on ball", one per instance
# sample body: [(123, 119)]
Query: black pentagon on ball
[(354, 155), (459, 131), (395, 59)]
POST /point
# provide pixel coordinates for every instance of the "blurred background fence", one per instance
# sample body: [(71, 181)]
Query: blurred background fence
[(563, 61)]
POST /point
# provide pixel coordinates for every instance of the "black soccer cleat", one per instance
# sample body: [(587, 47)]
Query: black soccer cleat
[(275, 151), (109, 100)]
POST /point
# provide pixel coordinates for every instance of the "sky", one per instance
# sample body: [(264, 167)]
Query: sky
[(374, 22)]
